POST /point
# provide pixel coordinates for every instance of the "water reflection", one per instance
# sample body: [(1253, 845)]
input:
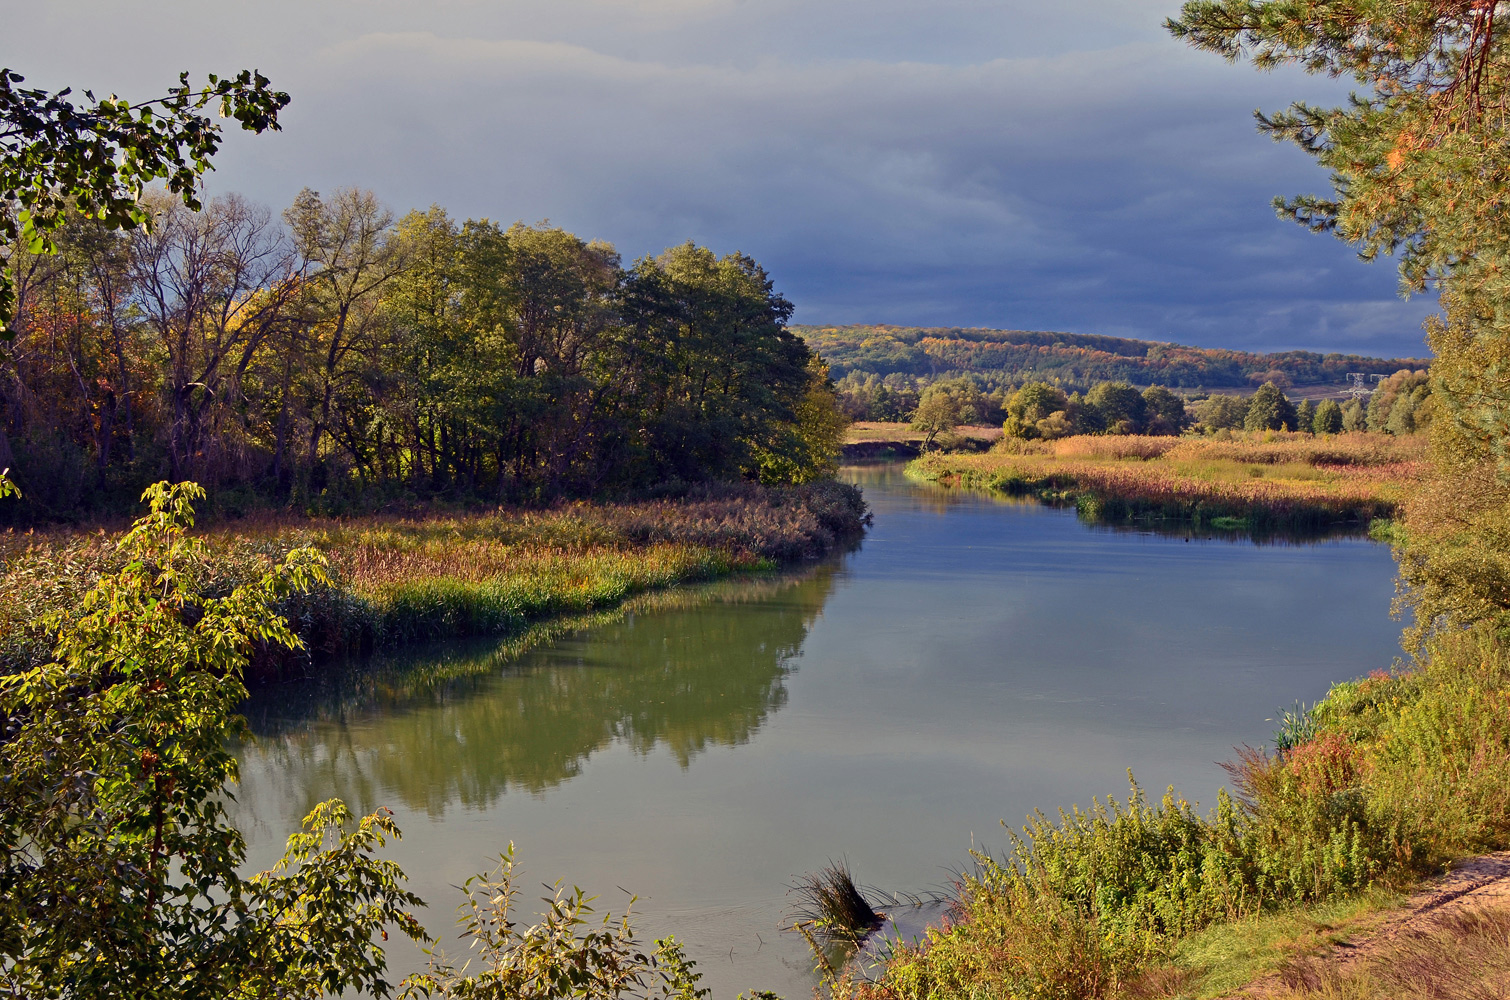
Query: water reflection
[(933, 498), (974, 660), (466, 724)]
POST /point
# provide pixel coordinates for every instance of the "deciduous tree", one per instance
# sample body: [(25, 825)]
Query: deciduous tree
[(97, 159), (1328, 419), (1269, 410)]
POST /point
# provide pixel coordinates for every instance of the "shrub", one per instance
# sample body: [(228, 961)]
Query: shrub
[(565, 954), (120, 871)]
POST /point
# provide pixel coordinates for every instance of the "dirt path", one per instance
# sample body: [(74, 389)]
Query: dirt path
[(1476, 884)]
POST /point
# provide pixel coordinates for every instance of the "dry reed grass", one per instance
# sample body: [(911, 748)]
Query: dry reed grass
[(398, 579), (1263, 479)]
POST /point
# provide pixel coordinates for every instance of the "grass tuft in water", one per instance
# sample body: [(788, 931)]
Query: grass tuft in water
[(833, 904)]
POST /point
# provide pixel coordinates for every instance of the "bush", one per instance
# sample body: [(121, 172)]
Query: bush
[(120, 870), (563, 955)]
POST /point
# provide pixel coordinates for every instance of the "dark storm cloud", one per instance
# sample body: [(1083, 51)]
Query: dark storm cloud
[(1059, 166)]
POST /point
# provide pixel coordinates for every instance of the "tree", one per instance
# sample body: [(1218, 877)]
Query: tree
[(1165, 411), (809, 449), (1419, 164), (1305, 416), (212, 287), (1268, 409), (1354, 416), (714, 369), (346, 256), (342, 352), (98, 159), (1029, 406), (1381, 404), (119, 870), (1411, 412), (1222, 412), (938, 412), (1120, 405), (1328, 418)]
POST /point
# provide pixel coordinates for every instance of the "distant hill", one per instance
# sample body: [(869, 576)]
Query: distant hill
[(1076, 359)]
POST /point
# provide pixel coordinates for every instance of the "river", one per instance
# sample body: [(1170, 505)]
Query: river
[(972, 660)]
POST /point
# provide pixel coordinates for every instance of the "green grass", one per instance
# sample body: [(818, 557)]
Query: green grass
[(1383, 783), (398, 580), (1224, 957)]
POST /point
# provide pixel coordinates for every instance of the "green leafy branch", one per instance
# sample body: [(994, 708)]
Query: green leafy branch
[(97, 158)]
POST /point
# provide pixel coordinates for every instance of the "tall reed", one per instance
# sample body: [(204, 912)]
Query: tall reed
[(1260, 480), (399, 579)]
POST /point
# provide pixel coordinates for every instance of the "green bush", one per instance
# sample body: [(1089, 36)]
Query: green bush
[(565, 954), (120, 874)]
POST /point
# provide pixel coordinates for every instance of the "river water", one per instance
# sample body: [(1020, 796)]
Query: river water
[(972, 660)]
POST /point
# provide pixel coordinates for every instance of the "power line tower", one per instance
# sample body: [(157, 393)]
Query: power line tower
[(1358, 384)]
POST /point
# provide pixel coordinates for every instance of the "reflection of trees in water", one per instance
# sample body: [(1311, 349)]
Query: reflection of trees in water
[(467, 726), (1281, 537), (937, 499), (891, 476)]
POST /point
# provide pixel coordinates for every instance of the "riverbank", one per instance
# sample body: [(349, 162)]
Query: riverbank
[(1386, 782), (1243, 481), (399, 580), (872, 440)]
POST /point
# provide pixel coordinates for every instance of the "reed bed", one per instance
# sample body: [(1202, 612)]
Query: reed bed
[(397, 580), (1258, 480)]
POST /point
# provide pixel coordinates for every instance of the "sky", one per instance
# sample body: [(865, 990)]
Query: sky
[(1018, 164)]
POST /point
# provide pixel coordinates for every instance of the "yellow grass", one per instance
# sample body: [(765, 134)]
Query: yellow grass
[(862, 431), (398, 579), (1265, 477)]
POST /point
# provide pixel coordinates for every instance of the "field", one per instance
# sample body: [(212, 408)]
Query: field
[(398, 580), (1267, 480), (880, 430)]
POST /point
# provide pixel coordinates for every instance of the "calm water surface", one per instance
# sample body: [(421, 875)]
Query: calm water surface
[(973, 660)]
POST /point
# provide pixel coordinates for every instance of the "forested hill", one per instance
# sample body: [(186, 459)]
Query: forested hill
[(1010, 355)]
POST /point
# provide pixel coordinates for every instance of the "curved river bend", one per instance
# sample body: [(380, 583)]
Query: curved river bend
[(973, 660)]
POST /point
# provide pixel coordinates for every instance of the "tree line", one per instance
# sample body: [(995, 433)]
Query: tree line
[(337, 351), (1399, 404), (1080, 360)]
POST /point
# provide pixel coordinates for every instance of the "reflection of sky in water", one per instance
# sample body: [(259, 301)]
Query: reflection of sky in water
[(972, 661)]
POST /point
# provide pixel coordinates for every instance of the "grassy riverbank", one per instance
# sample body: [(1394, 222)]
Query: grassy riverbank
[(1386, 781), (398, 580), (1242, 481)]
